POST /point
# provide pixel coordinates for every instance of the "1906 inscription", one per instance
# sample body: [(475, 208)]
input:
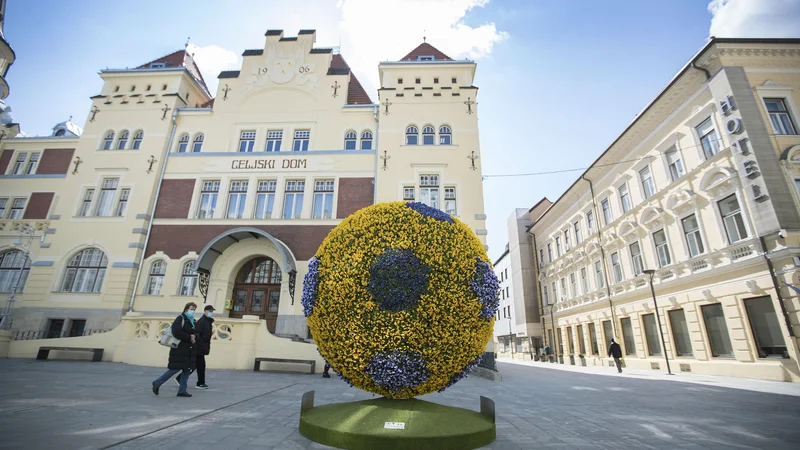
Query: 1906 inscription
[(247, 164)]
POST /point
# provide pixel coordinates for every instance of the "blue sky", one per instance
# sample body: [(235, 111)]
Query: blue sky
[(559, 80)]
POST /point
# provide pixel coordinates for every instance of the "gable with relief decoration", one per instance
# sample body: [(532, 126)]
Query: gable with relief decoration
[(652, 217), (627, 230), (283, 63), (792, 157), (718, 181), (681, 201)]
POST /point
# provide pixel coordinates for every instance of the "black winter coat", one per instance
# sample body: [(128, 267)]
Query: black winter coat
[(183, 356), (202, 329), (615, 350)]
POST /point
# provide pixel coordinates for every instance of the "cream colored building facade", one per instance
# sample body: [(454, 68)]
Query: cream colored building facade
[(700, 188), (173, 194)]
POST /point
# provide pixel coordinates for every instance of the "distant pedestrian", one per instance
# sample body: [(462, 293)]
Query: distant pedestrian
[(325, 373), (181, 358), (616, 352), (203, 329)]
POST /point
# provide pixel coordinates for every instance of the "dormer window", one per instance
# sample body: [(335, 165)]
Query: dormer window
[(425, 58), (60, 132), (399, 81), (158, 65), (418, 80)]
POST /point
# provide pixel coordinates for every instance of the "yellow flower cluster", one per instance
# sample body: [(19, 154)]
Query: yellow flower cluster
[(445, 327)]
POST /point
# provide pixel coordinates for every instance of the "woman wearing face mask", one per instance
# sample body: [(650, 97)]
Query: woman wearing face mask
[(181, 358)]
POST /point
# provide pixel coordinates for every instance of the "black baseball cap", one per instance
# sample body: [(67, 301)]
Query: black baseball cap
[(208, 308)]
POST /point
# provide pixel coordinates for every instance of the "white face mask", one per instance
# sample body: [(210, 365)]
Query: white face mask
[(210, 314)]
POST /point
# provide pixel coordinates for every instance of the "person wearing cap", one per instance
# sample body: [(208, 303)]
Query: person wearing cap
[(203, 331)]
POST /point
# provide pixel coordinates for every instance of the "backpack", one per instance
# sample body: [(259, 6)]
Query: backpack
[(167, 339)]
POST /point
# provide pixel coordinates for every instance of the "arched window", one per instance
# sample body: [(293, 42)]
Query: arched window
[(188, 279), (183, 143), (156, 279), (445, 136), (412, 135), (14, 268), (60, 132), (350, 140), (198, 143), (85, 271), (123, 140), (428, 135), (366, 140), (137, 140), (109, 141)]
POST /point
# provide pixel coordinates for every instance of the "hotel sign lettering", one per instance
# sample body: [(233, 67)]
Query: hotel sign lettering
[(250, 164)]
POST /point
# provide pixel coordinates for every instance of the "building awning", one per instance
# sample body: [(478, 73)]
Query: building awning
[(215, 247)]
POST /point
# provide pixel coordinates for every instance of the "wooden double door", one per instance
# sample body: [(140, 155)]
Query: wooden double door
[(257, 291)]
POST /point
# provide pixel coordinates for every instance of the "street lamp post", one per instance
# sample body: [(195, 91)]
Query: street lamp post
[(652, 272)]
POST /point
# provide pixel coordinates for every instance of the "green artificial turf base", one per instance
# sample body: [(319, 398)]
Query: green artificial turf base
[(361, 425)]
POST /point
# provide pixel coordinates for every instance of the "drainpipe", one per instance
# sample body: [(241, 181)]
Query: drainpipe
[(602, 256), (775, 285), (376, 115), (539, 287), (153, 209), (695, 66)]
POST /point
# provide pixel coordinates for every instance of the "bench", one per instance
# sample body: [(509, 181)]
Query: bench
[(44, 352), (311, 362)]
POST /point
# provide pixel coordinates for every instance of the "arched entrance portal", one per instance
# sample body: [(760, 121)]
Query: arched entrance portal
[(257, 291)]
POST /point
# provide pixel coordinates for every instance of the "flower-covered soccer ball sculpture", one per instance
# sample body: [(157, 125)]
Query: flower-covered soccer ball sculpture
[(401, 299)]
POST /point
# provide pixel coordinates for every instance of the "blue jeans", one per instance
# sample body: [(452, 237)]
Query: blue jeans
[(182, 379)]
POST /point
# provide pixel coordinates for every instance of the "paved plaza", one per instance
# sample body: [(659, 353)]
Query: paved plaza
[(68, 405)]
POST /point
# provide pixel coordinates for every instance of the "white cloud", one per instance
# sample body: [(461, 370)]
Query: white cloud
[(755, 18), (213, 59)]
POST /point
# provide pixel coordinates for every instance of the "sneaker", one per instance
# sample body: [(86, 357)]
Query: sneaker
[(155, 388), (202, 386), (326, 375), (184, 394)]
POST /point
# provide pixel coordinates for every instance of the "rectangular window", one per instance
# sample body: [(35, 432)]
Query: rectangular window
[(558, 245), (608, 332), (265, 199), (301, 139), (624, 198), (581, 342), (680, 332), (599, 277), (616, 265), (627, 336), (691, 230), (555, 292), (606, 206), (122, 203), (590, 220), (636, 259), (247, 139), (593, 338), (648, 185), (717, 330), (408, 193), (76, 327), (106, 199), (560, 342), (3, 207), (662, 249), (570, 341), (450, 200), (541, 256), (274, 141), (584, 280), (33, 163), (674, 163), (573, 284), (577, 227), (54, 328), (86, 205), (545, 296), (732, 219), (20, 164), (429, 190), (766, 329), (779, 116), (323, 199), (651, 335), (17, 208), (566, 240), (708, 138), (293, 199), (208, 199), (564, 293), (237, 197), (549, 252)]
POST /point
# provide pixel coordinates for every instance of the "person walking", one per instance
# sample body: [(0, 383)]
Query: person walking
[(181, 358), (325, 370), (203, 330), (616, 352)]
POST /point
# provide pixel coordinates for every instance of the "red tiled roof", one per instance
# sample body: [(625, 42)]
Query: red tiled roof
[(208, 104), (426, 49), (356, 95), (178, 59)]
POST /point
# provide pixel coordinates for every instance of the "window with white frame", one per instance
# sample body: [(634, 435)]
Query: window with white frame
[(301, 140), (237, 197), (265, 199), (616, 266), (208, 199), (691, 231), (577, 228), (549, 252), (19, 165), (599, 276), (350, 140), (450, 200), (573, 284), (183, 143), (590, 220), (107, 194), (545, 296), (584, 280), (662, 248), (122, 203), (14, 268), (366, 140), (429, 190), (624, 197), (636, 258), (445, 136), (293, 199), (555, 292), (197, 145), (108, 142), (188, 279), (648, 185), (732, 219), (123, 140), (156, 279), (137, 140), (85, 271), (3, 207), (564, 293), (17, 208), (323, 199), (408, 193), (605, 205), (541, 257), (33, 164), (708, 138), (558, 246), (779, 116), (412, 135), (86, 204), (247, 139), (428, 135), (674, 163), (274, 139), (566, 240)]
